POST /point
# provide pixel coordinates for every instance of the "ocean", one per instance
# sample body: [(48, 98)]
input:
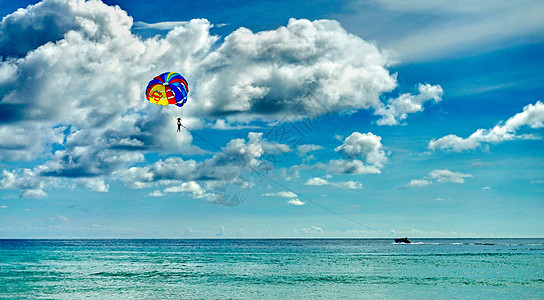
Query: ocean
[(272, 269)]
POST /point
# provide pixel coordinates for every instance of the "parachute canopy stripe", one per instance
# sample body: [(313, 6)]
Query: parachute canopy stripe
[(167, 88)]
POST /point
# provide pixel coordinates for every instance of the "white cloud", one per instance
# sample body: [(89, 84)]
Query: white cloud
[(156, 193), (366, 146), (419, 182), (312, 230), (398, 109), (302, 150), (295, 202), (33, 193), (291, 172), (362, 154), (532, 116), (448, 176), (318, 181), (440, 176), (350, 185), (354, 166), (28, 181), (95, 184), (283, 194), (196, 191), (3, 206), (316, 66)]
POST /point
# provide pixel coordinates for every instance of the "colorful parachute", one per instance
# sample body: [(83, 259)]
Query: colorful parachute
[(167, 88)]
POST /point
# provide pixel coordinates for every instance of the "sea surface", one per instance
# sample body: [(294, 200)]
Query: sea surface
[(272, 269)]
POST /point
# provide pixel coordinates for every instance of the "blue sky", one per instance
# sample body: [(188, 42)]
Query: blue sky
[(337, 119)]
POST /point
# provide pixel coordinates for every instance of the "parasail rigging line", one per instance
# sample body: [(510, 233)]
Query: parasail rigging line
[(170, 89), (282, 185)]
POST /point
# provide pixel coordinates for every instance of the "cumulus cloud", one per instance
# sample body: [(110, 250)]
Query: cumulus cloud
[(295, 202), (48, 21), (314, 67), (532, 116), (95, 184), (26, 180), (366, 146), (191, 187), (355, 166), (440, 176), (398, 109), (74, 67), (362, 154), (317, 181)]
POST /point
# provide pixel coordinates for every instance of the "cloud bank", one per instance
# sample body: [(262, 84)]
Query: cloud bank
[(72, 79)]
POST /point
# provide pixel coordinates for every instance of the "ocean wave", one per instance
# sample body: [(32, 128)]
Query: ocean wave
[(469, 244)]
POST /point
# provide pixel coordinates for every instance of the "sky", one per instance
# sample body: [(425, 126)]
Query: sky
[(353, 119)]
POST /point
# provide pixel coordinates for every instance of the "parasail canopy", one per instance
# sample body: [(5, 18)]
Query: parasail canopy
[(167, 88)]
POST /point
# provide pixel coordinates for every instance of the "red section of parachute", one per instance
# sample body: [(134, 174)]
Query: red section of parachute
[(170, 95)]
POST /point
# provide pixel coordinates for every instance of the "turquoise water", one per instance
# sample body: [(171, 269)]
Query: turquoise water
[(272, 269)]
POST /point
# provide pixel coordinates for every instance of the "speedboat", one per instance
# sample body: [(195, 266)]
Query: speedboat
[(402, 240)]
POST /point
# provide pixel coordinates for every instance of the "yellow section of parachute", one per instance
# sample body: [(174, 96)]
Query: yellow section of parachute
[(158, 96)]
